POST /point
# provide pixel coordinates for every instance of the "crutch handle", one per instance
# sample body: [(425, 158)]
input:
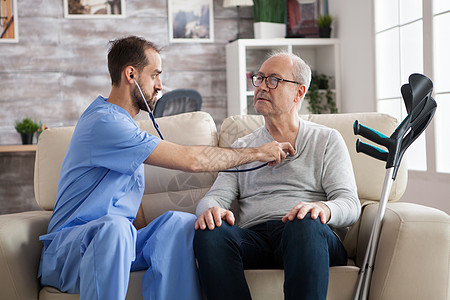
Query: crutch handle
[(372, 151), (369, 133)]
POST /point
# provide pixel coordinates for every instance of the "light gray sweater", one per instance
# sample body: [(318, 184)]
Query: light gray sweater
[(320, 170)]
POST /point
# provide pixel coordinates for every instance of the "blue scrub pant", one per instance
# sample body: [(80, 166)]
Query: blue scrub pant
[(95, 259), (304, 248)]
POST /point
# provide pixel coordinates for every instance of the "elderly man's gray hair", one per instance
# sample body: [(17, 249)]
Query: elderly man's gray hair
[(301, 71)]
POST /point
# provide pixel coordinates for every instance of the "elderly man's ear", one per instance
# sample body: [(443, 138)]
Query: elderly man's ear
[(300, 93)]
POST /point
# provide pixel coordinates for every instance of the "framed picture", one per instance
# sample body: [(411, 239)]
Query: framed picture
[(301, 18), (81, 9), (9, 29), (191, 21)]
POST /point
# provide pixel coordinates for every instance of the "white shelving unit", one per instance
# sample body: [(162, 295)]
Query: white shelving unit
[(245, 56)]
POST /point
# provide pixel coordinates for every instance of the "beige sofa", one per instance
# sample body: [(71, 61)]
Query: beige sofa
[(412, 261)]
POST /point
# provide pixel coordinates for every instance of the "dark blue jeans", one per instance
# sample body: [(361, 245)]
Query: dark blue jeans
[(305, 249)]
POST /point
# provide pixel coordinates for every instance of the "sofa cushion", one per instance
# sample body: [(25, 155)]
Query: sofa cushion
[(268, 284), (369, 172), (134, 291), (263, 285), (167, 189), (196, 128)]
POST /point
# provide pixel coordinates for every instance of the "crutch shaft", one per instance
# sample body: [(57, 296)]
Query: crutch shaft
[(365, 274)]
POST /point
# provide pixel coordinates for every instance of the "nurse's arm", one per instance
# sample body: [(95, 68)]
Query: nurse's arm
[(210, 159)]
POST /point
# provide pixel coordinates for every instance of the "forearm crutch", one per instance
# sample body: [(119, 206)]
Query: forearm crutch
[(420, 107)]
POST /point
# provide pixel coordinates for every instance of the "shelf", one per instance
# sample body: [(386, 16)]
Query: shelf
[(263, 44), (18, 148), (245, 56)]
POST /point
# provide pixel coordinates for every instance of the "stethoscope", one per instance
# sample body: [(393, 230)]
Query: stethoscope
[(152, 117)]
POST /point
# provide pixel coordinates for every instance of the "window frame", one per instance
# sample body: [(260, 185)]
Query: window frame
[(428, 68)]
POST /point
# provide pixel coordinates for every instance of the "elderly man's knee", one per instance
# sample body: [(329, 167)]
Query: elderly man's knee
[(306, 228), (210, 239)]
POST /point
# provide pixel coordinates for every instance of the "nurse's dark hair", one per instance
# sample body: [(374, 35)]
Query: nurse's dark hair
[(129, 51)]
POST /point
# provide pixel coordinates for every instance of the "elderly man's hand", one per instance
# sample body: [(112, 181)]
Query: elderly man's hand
[(317, 209), (213, 217)]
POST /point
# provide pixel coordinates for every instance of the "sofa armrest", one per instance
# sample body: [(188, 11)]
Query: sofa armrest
[(20, 251), (412, 260)]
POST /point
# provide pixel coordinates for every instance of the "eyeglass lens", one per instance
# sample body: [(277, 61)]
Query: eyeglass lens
[(271, 82)]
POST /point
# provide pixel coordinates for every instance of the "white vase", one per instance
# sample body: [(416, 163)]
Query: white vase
[(267, 30)]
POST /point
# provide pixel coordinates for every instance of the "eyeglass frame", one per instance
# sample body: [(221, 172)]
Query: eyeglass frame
[(266, 79)]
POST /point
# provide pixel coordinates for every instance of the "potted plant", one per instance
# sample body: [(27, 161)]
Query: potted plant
[(269, 16), (41, 129), (26, 128), (324, 23), (320, 97)]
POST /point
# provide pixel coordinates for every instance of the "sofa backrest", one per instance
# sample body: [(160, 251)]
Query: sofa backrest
[(369, 172), (164, 189), (171, 189), (175, 190)]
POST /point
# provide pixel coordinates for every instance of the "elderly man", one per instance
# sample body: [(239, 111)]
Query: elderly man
[(91, 244), (285, 211)]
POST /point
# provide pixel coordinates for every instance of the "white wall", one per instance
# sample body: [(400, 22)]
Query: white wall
[(354, 27), (429, 190)]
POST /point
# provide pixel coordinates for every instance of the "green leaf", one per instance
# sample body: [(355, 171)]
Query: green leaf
[(26, 126), (272, 11), (324, 21), (320, 98)]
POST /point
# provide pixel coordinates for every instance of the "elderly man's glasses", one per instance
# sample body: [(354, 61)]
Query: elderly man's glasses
[(271, 81)]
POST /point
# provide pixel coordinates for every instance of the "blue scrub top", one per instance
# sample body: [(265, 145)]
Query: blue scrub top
[(103, 171)]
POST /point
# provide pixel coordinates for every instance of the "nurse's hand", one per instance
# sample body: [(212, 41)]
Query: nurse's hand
[(213, 217), (274, 152)]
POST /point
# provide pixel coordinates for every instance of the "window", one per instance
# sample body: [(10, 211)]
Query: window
[(441, 50), (400, 28)]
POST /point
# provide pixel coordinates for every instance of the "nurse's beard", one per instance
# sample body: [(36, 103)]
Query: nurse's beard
[(139, 102)]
